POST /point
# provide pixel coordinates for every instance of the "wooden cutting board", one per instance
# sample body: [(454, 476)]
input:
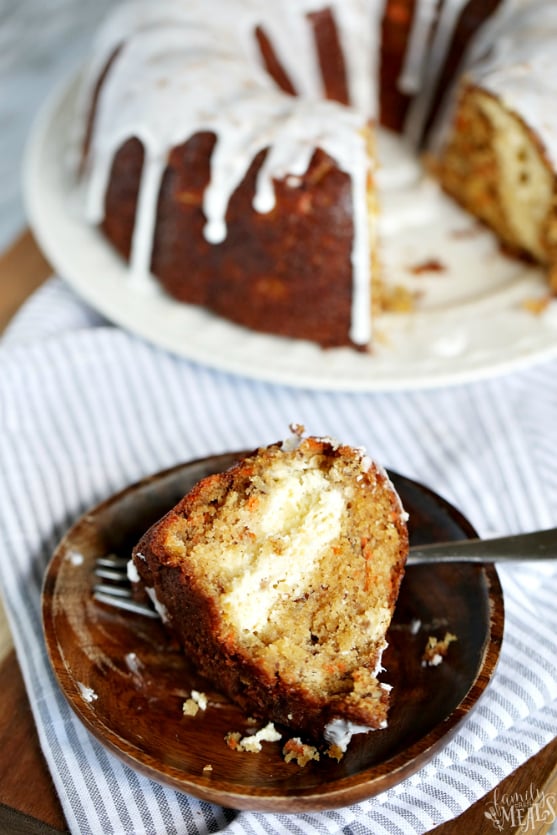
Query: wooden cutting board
[(28, 801)]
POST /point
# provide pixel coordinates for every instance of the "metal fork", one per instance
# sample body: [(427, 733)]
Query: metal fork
[(524, 547), (118, 590)]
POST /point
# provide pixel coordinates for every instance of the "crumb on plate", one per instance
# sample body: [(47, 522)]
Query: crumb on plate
[(536, 305), (297, 751), (436, 649), (335, 752), (252, 742), (196, 702)]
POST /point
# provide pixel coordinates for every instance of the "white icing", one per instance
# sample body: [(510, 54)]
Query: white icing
[(131, 570), (435, 54), (411, 77), (75, 557), (200, 699), (253, 742), (340, 732), (453, 344), (415, 626), (399, 167), (379, 663), (435, 661), (142, 240), (160, 608), (291, 443), (87, 693), (133, 663), (177, 70)]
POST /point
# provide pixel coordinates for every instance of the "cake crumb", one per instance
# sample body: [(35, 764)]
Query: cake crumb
[(536, 306), (398, 299), (196, 702), (466, 232), (233, 739), (252, 742), (297, 751), (436, 649), (335, 752), (432, 265), (207, 768), (190, 708)]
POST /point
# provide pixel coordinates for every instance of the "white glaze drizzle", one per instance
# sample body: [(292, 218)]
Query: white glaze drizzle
[(339, 732), (174, 51), (146, 216), (411, 77), (448, 18), (359, 28)]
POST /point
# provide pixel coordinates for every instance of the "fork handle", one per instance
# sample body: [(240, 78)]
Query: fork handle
[(538, 545)]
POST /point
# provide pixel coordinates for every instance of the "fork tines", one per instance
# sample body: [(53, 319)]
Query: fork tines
[(118, 592)]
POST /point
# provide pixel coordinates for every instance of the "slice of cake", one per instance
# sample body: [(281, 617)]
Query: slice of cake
[(500, 150), (495, 166), (280, 577)]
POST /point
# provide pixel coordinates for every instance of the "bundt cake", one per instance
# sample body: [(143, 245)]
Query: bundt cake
[(231, 153), (279, 577)]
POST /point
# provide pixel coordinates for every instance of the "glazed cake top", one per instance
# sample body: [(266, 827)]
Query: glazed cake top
[(174, 71)]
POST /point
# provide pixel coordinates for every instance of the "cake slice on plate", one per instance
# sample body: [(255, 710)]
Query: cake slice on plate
[(280, 577)]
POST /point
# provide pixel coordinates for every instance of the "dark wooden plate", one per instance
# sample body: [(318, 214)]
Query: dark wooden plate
[(127, 683)]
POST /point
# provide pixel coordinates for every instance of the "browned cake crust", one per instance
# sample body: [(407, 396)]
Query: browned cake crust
[(288, 621), (287, 271)]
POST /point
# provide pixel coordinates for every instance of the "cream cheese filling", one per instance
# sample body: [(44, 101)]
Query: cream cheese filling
[(293, 527)]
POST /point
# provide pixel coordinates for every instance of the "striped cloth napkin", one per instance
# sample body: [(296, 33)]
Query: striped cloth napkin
[(87, 408)]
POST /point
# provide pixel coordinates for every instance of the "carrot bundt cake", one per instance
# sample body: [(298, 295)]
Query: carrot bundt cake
[(279, 577), (231, 153)]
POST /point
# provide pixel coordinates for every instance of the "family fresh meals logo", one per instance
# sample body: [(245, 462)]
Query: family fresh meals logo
[(522, 812)]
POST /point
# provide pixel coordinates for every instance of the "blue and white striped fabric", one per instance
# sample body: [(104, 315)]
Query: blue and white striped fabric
[(87, 409)]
